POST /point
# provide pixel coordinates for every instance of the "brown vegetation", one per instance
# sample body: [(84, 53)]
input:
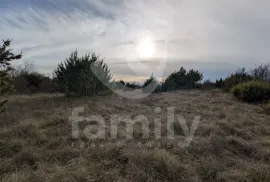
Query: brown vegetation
[(231, 142)]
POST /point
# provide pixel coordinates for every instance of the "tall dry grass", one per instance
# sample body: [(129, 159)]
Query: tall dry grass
[(231, 142)]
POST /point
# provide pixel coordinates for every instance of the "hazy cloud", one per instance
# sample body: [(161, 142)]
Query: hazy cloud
[(214, 36)]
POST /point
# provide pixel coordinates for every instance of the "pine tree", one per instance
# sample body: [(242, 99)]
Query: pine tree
[(151, 85), (82, 75), (6, 56), (182, 79)]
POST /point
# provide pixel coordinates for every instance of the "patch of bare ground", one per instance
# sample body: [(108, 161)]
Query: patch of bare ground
[(231, 142)]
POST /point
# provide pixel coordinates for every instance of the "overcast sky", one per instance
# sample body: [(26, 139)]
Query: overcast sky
[(216, 37)]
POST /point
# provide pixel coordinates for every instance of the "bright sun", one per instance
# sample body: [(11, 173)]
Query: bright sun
[(146, 49)]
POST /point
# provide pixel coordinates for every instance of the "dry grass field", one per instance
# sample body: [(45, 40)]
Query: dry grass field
[(231, 143)]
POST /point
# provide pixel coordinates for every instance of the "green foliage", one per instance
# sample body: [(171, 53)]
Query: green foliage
[(82, 75), (28, 81), (118, 84), (193, 77), (132, 86), (259, 73), (151, 85), (115, 85), (6, 56), (240, 76), (219, 83), (182, 79), (34, 82), (252, 91)]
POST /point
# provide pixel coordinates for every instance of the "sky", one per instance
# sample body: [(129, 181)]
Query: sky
[(215, 37)]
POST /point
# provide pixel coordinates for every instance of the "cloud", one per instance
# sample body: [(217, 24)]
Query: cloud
[(207, 35)]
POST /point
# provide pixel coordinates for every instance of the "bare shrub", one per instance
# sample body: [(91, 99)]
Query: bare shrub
[(261, 72)]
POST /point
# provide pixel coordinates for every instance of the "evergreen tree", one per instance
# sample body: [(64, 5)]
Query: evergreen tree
[(151, 85), (192, 77), (82, 75), (219, 83), (182, 79), (6, 56)]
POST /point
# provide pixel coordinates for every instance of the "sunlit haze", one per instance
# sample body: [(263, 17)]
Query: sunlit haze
[(146, 49), (214, 37)]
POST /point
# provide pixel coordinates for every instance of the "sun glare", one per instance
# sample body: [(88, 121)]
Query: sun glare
[(146, 49)]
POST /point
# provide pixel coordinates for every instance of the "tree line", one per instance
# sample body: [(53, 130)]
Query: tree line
[(89, 75)]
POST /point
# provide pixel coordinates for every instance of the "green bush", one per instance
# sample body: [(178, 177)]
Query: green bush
[(252, 91), (240, 76)]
